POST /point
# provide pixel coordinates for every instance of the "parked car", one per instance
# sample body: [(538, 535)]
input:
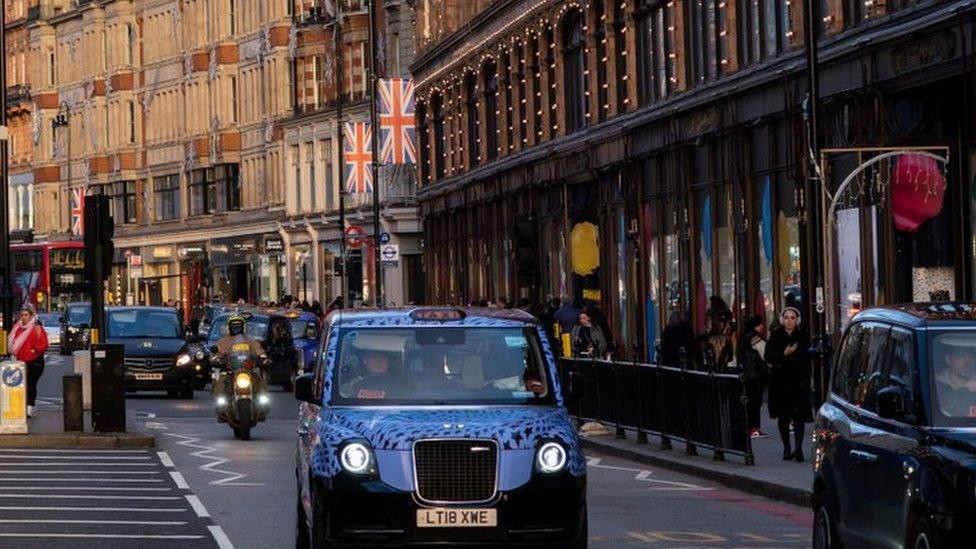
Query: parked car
[(437, 426), (895, 442), (75, 328), (272, 331), (305, 334), (157, 356), (52, 325)]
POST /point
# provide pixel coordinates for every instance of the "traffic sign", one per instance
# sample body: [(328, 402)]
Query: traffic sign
[(390, 254), (384, 237), (354, 236)]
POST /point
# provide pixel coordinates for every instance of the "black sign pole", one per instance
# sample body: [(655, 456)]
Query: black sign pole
[(374, 83), (340, 131), (6, 275)]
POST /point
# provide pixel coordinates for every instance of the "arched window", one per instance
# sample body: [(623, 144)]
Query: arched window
[(422, 129), (492, 113), (471, 104), (440, 146), (521, 120), (574, 70)]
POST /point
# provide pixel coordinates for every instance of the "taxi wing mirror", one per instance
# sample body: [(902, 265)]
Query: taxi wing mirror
[(891, 403), (304, 388)]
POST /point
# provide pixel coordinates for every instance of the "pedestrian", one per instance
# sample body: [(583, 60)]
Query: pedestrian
[(588, 339), (717, 340), (28, 343), (750, 356), (316, 308), (596, 315), (567, 315), (787, 353), (524, 304), (501, 303), (677, 342)]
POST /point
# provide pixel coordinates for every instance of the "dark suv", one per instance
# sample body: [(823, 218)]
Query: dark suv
[(157, 357), (75, 328), (895, 443)]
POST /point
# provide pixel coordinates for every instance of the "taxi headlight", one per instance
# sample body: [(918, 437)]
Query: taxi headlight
[(242, 381), (551, 457), (183, 359), (355, 458)]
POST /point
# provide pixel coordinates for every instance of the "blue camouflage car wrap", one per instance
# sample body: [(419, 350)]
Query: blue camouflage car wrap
[(390, 431)]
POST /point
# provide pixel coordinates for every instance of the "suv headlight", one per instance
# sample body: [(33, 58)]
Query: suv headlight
[(72, 329), (551, 457), (355, 458), (183, 360)]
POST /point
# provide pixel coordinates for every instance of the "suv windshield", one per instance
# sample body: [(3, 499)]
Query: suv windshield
[(954, 369), (152, 323), (435, 366), (78, 314), (256, 327)]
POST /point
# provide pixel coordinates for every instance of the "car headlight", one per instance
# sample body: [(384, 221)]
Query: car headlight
[(355, 458), (199, 355), (72, 329), (183, 360), (551, 457), (243, 381)]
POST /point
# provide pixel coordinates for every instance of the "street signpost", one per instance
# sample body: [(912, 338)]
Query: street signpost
[(390, 255)]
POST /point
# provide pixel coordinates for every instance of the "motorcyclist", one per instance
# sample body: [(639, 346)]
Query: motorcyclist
[(237, 342)]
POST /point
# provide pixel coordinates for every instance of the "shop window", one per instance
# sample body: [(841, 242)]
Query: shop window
[(574, 71), (167, 197), (763, 223), (490, 72), (654, 50), (471, 106), (440, 143), (652, 305), (673, 291), (704, 214)]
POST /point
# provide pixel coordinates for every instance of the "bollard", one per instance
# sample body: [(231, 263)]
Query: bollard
[(82, 362), (74, 415), (13, 397)]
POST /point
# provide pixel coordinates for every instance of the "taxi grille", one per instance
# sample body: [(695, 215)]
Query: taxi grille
[(149, 364), (455, 471)]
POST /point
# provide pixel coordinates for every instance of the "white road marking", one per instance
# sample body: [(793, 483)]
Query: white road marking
[(223, 542), (165, 459), (70, 521), (86, 488), (62, 464), (197, 505), (643, 475), (70, 451), (76, 496), (156, 425), (179, 480), (121, 458), (103, 509), (79, 472), (231, 478), (593, 462), (98, 536), (125, 480)]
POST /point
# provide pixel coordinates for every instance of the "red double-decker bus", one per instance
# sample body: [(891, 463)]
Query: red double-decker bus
[(49, 274)]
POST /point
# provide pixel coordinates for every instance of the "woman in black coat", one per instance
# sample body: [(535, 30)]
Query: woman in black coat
[(787, 353)]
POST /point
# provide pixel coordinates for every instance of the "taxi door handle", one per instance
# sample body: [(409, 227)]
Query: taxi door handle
[(864, 457)]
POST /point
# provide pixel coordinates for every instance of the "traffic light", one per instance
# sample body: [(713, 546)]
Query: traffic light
[(99, 230), (526, 248)]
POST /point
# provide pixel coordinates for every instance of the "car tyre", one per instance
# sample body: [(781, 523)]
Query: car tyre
[(186, 393), (173, 393), (318, 522), (923, 536), (302, 539), (824, 529)]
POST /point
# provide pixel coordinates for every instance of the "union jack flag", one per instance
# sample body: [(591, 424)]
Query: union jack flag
[(358, 149), (78, 212), (397, 127)]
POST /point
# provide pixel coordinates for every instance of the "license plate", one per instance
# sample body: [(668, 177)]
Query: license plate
[(149, 377), (457, 518)]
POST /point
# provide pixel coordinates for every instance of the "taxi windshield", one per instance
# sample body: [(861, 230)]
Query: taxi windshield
[(437, 366), (954, 366), (78, 314)]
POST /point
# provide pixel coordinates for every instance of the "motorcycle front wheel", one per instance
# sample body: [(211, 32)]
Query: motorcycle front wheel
[(244, 418)]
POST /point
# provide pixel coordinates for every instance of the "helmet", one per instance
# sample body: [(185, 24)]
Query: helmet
[(235, 325)]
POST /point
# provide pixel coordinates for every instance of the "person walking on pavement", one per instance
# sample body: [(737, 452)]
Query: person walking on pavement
[(750, 355), (28, 343), (566, 315), (787, 353), (717, 341), (677, 342), (587, 338)]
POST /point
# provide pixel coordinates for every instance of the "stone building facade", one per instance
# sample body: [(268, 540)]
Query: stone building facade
[(19, 117), (649, 155)]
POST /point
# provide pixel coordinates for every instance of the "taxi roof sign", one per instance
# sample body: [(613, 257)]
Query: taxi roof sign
[(437, 314)]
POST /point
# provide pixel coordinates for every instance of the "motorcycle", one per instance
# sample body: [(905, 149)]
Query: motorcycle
[(240, 391)]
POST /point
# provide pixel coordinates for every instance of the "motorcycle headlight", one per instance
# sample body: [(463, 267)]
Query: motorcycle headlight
[(551, 457), (243, 381), (183, 360), (355, 458)]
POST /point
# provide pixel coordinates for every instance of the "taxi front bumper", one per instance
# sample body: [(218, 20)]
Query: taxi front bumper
[(547, 511)]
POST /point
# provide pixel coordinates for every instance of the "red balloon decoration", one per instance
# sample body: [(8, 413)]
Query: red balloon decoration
[(917, 191)]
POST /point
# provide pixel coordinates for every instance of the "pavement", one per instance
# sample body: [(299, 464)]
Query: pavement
[(770, 477), (210, 490)]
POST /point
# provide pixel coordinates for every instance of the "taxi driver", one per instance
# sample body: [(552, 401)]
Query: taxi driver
[(957, 380)]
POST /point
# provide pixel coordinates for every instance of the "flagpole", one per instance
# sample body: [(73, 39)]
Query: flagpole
[(377, 267), (340, 134)]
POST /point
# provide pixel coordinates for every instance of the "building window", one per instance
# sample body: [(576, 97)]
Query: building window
[(440, 145), (471, 105), (203, 198), (551, 78), (228, 184), (491, 108), (620, 55), (132, 121), (764, 29), (327, 175), (122, 200), (167, 197), (232, 17), (422, 128), (522, 118), (508, 114), (655, 68), (130, 37), (536, 113), (233, 99), (574, 70), (296, 164), (603, 102), (310, 159), (215, 189), (51, 69)]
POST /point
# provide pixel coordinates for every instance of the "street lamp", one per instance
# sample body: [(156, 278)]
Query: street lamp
[(63, 120)]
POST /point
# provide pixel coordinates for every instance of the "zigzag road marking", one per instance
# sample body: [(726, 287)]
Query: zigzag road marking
[(207, 453)]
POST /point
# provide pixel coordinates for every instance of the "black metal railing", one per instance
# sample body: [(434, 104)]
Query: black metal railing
[(702, 410), (18, 93)]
